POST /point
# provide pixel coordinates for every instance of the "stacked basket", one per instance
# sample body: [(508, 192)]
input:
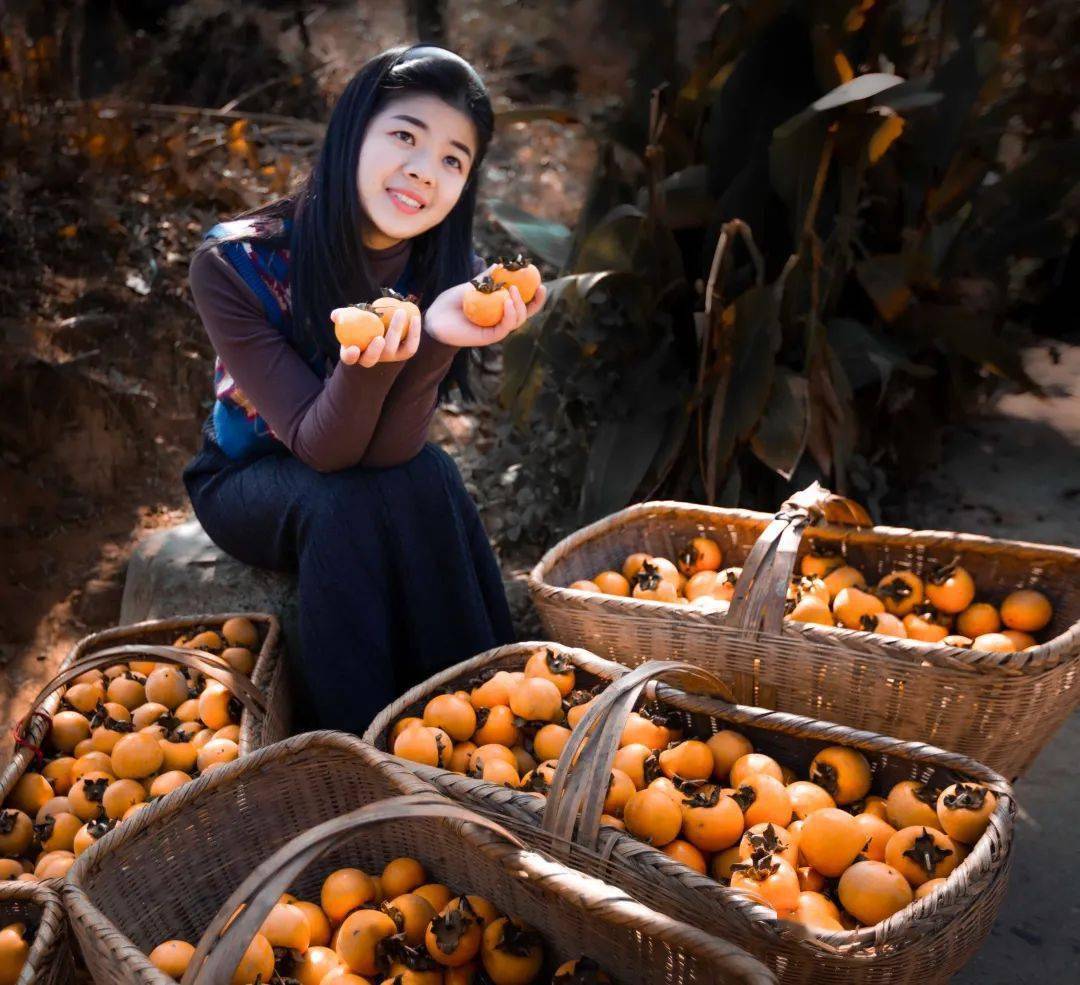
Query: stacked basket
[(926, 942), (1000, 709), (249, 830)]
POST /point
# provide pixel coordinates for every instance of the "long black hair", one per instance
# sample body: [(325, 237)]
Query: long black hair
[(328, 265)]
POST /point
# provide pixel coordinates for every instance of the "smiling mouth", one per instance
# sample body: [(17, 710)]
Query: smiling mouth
[(404, 202)]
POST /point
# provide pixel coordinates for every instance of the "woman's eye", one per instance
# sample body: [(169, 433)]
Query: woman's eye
[(452, 161), (405, 135)]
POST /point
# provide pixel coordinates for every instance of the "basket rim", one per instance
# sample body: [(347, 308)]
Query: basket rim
[(589, 892), (51, 928), (981, 865), (1043, 657), (266, 663)]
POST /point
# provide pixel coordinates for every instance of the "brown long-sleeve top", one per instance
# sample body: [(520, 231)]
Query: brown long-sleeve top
[(375, 417)]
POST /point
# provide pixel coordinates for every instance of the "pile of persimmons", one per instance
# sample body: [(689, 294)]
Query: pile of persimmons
[(823, 850), (398, 927), (938, 606), (123, 736)]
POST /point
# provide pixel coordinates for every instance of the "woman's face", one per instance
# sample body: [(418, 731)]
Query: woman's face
[(414, 161)]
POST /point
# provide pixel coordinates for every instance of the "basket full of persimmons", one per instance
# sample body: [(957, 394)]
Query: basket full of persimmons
[(321, 861), (833, 854), (814, 610)]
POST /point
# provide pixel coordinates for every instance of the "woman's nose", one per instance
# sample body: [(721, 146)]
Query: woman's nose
[(419, 170)]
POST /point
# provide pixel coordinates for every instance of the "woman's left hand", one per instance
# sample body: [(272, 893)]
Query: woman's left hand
[(445, 322)]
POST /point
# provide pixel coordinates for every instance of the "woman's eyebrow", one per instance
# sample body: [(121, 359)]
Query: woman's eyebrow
[(423, 126)]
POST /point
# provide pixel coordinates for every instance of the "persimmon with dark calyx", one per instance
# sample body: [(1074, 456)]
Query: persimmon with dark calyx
[(852, 605), (700, 554), (920, 853), (912, 803), (362, 940), (950, 588), (517, 271), (763, 798), (16, 832), (484, 302), (554, 667), (964, 811), (877, 833), (511, 952), (873, 891), (390, 303), (424, 744), (711, 820), (357, 325), (651, 584), (901, 592), (768, 879), (773, 839), (885, 624), (1027, 610), (455, 935), (842, 772)]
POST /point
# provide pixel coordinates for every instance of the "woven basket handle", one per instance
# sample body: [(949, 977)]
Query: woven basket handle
[(205, 663), (225, 940), (575, 798), (761, 591)]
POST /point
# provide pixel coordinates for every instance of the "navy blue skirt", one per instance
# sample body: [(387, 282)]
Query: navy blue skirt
[(396, 577)]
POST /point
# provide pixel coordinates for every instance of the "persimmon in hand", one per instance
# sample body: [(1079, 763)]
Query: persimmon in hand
[(484, 302)]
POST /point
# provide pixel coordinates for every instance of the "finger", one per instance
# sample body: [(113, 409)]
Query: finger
[(519, 305), (373, 352), (509, 318), (393, 336), (412, 340), (537, 301), (350, 355)]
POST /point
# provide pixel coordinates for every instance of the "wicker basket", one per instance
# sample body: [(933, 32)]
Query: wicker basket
[(256, 729), (49, 960), (999, 709), (927, 942), (215, 833)]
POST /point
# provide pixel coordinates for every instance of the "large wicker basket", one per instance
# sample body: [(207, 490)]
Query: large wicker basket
[(176, 870), (1000, 709), (927, 942), (49, 960), (256, 729)]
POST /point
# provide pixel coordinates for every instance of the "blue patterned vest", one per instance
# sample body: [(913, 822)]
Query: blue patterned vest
[(264, 266)]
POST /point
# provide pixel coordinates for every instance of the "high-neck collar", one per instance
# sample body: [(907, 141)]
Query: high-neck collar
[(390, 252)]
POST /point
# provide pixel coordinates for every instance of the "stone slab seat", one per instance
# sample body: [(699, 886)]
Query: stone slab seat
[(180, 571)]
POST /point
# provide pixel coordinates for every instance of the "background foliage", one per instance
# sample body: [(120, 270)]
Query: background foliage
[(818, 251)]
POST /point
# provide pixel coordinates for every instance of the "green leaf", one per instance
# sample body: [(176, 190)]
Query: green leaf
[(743, 389), (548, 240), (885, 279), (780, 437), (620, 454), (614, 243), (868, 356)]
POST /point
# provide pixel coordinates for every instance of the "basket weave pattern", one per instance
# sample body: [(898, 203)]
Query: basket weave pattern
[(927, 942), (1000, 709), (167, 874)]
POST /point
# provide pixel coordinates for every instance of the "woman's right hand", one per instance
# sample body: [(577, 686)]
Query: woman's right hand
[(388, 348)]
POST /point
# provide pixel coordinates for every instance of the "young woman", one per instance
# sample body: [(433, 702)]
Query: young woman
[(315, 457)]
